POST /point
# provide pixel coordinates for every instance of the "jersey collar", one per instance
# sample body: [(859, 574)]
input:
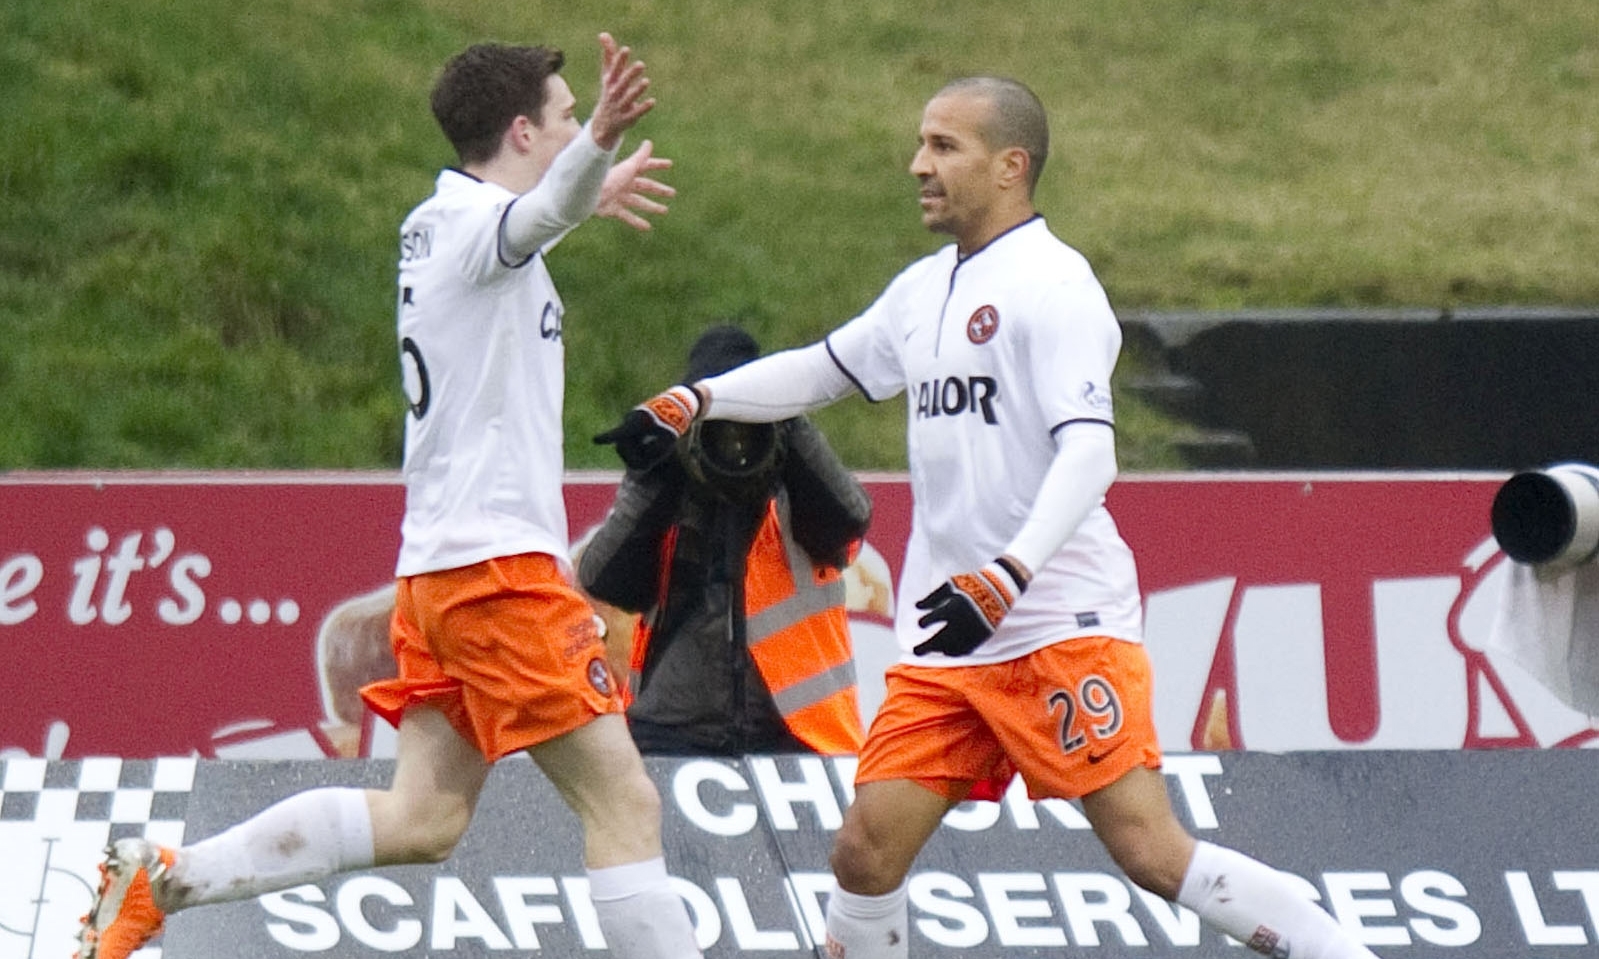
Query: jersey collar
[(1036, 217)]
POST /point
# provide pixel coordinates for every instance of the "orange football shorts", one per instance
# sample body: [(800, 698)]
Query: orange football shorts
[(507, 649), (1071, 718)]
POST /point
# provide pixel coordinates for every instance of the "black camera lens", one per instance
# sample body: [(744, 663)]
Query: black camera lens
[(733, 449)]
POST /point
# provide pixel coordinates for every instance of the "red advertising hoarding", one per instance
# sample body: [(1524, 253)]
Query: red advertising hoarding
[(145, 615)]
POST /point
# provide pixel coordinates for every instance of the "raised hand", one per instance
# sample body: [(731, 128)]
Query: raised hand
[(622, 88), (625, 196), (970, 605)]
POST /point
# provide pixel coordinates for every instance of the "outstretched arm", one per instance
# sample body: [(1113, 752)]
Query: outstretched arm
[(766, 390), (578, 182), (776, 387), (564, 198)]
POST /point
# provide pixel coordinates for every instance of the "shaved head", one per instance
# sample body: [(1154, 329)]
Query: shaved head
[(1016, 118)]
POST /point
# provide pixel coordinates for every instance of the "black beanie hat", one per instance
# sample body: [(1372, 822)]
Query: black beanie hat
[(719, 349)]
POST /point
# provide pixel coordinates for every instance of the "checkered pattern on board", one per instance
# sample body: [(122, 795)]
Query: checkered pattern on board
[(56, 818), (131, 797)]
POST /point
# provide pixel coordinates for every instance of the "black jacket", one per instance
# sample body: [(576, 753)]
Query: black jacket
[(699, 691)]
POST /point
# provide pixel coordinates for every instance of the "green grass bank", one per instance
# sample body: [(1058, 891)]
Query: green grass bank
[(199, 201)]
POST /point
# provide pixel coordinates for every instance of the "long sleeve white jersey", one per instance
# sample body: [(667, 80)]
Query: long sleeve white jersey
[(484, 365), (996, 353)]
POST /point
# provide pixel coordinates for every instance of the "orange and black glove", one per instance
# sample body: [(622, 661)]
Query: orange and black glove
[(970, 605), (650, 431)]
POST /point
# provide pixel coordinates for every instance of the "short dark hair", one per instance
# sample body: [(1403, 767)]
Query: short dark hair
[(486, 86), (1016, 119)]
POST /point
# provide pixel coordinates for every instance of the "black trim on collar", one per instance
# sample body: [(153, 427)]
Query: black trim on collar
[(997, 238)]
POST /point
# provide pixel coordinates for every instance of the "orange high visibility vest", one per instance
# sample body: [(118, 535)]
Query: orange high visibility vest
[(797, 632)]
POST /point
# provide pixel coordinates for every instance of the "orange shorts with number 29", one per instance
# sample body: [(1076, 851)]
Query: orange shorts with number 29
[(1071, 718)]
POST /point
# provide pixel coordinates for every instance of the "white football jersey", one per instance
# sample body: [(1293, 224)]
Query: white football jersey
[(996, 352), (484, 373)]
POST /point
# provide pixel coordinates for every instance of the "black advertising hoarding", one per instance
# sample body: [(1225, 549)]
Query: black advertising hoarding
[(1469, 854)]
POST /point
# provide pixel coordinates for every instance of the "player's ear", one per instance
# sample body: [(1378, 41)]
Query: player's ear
[(1013, 167), (520, 134)]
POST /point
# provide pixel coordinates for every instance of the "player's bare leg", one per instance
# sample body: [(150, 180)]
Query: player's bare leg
[(306, 837), (1133, 817), (884, 828), (1242, 897), (438, 778), (420, 817), (598, 771)]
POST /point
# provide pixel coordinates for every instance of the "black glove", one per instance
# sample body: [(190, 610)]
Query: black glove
[(970, 605), (649, 432)]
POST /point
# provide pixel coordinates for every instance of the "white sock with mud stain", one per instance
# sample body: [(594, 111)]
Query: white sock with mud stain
[(868, 927), (309, 836), (1258, 906)]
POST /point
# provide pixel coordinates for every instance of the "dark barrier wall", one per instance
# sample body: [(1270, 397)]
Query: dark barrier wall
[(1475, 855), (1475, 389)]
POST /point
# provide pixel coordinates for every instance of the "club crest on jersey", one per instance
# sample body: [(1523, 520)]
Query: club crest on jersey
[(983, 324)]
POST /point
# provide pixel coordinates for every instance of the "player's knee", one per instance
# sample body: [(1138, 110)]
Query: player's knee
[(1144, 870), (624, 824), (436, 840), (629, 805), (861, 866), (421, 836), (1155, 862), (637, 798)]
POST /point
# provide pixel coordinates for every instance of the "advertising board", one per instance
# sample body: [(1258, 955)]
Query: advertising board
[(157, 616)]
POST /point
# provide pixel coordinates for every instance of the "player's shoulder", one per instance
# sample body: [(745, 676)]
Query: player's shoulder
[(461, 214), (1040, 245), (455, 193), (1064, 271), (1060, 278)]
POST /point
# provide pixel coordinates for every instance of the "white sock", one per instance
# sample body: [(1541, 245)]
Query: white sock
[(309, 836), (640, 914), (1256, 905), (867, 927)]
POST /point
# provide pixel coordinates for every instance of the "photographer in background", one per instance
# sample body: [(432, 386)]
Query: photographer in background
[(733, 551)]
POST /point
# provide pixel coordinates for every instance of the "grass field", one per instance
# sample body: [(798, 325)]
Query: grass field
[(198, 202)]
